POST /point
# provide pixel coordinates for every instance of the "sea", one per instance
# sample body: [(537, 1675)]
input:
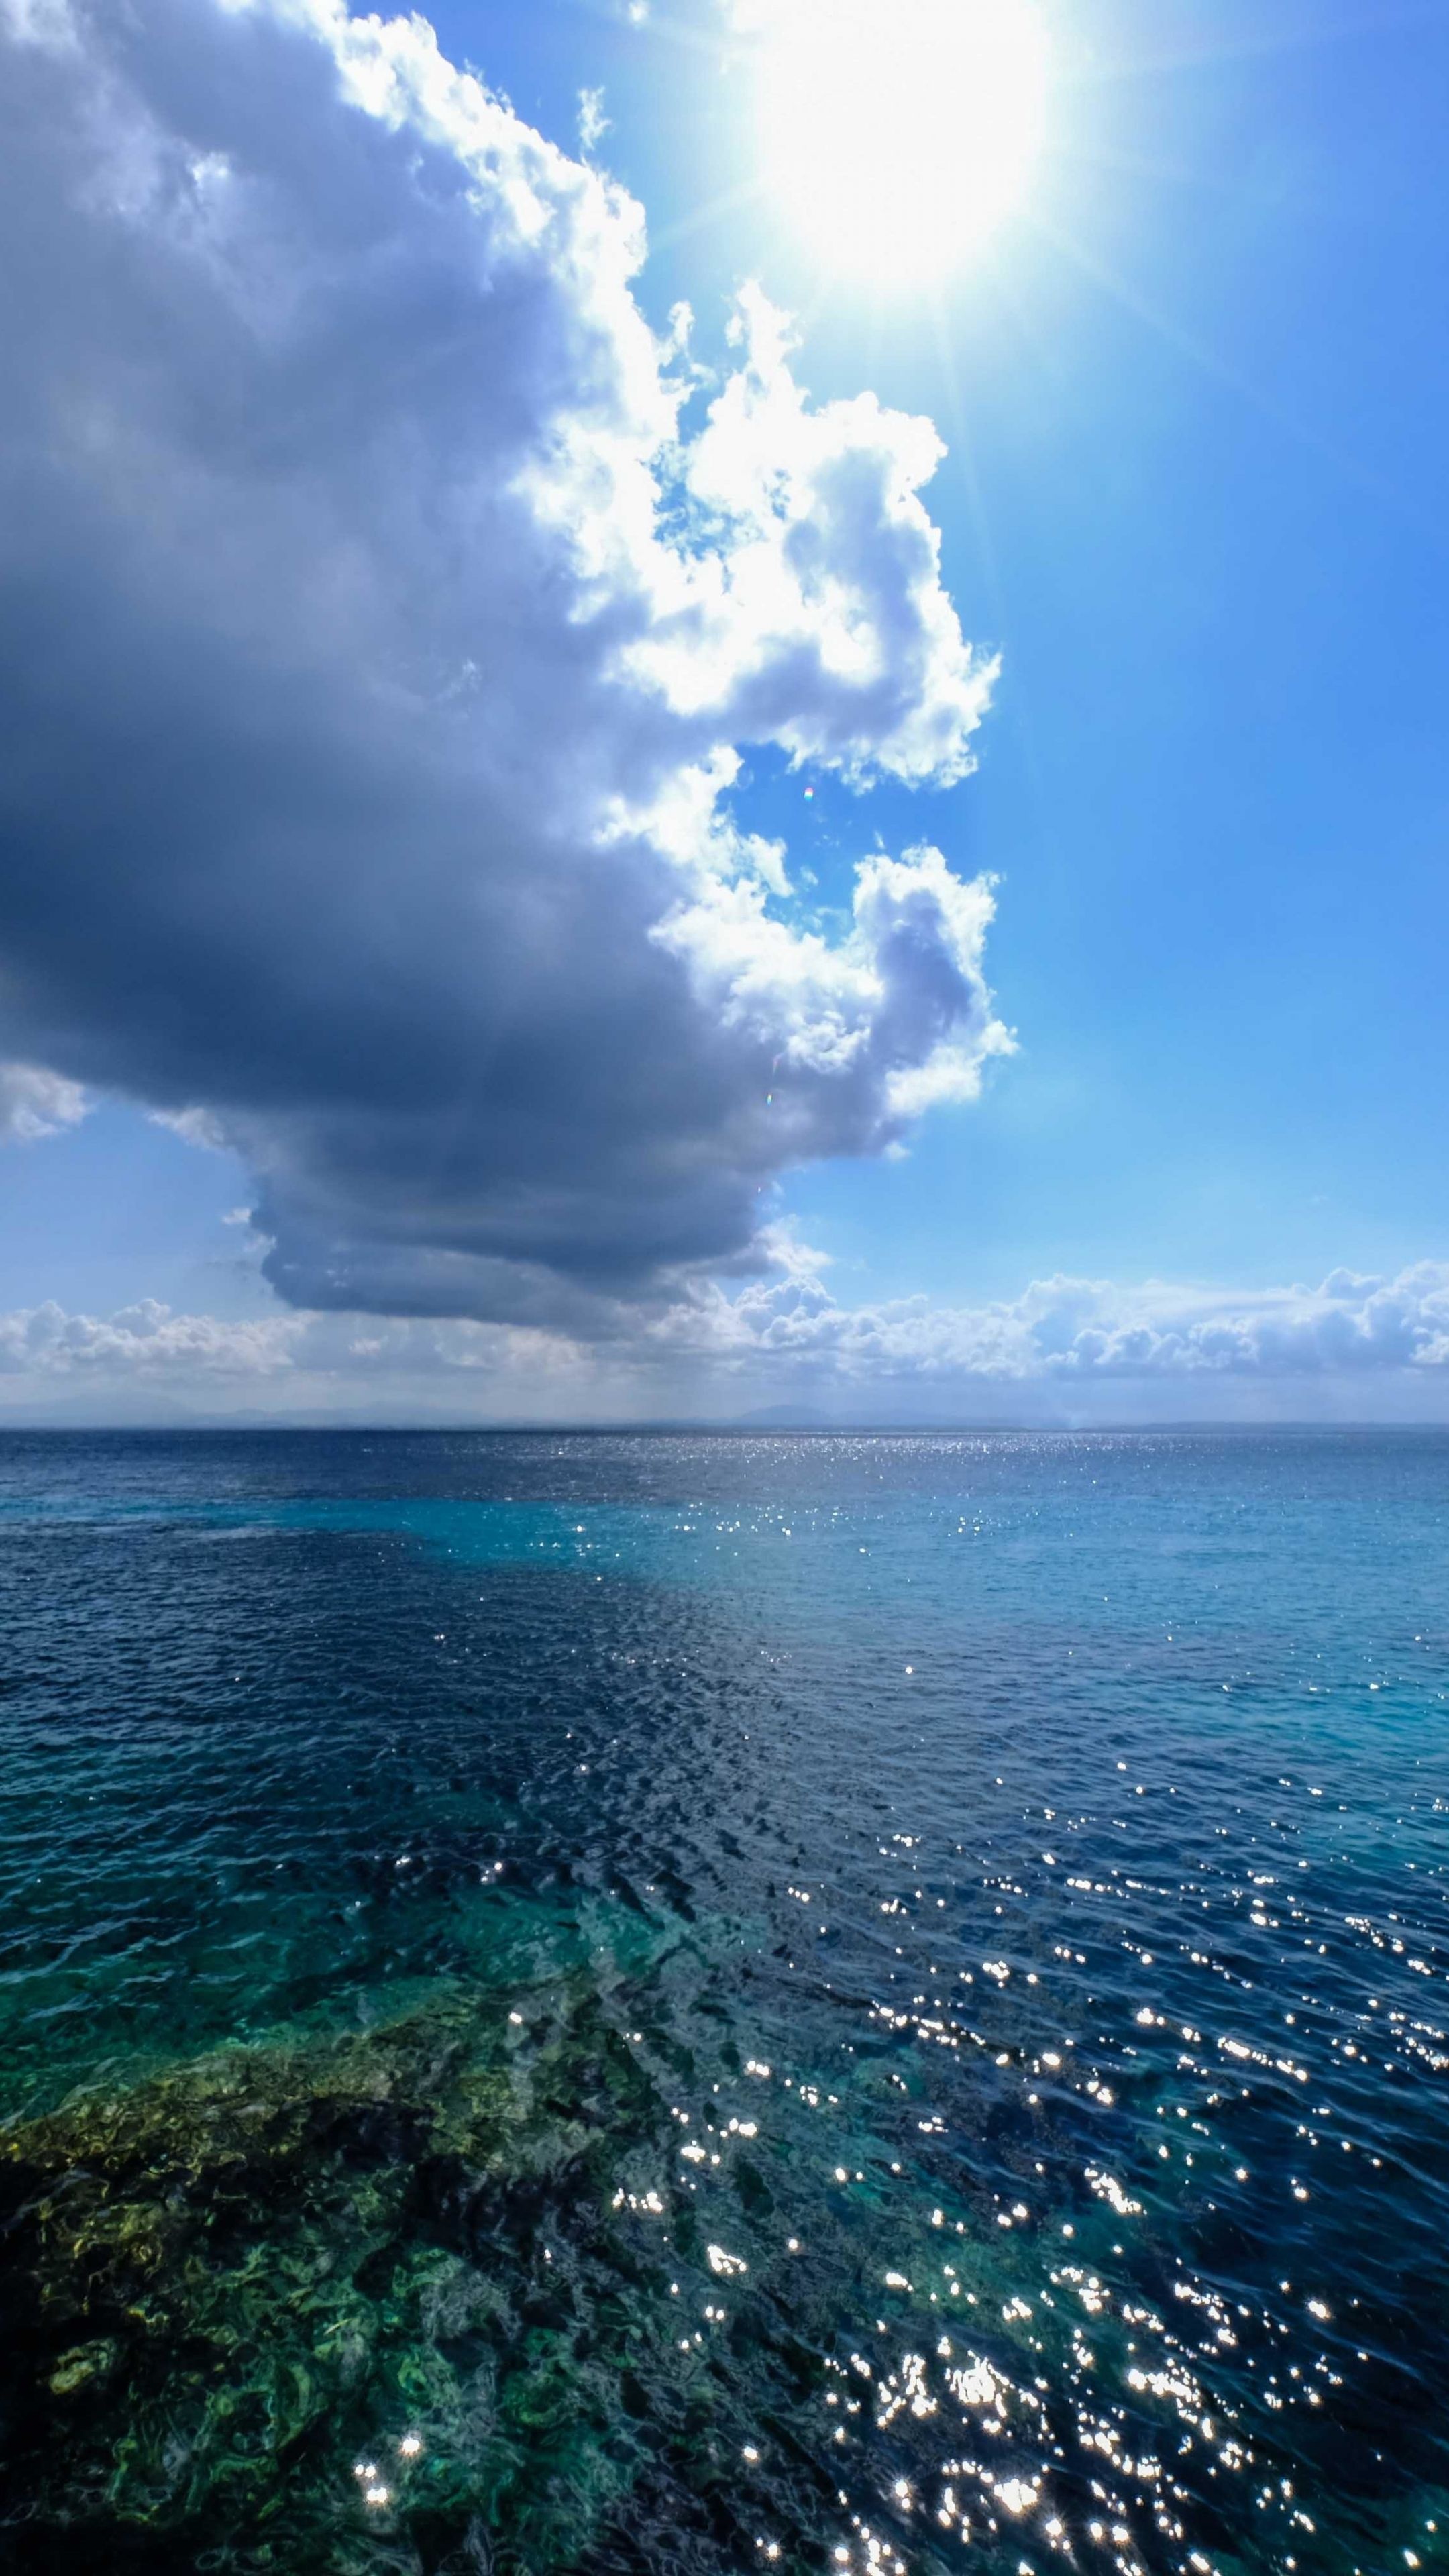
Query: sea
[(675, 2002)]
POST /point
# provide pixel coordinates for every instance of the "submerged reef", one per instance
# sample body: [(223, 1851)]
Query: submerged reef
[(390, 2299)]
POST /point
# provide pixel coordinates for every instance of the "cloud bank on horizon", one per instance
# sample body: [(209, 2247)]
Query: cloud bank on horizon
[(1069, 1349), (387, 617)]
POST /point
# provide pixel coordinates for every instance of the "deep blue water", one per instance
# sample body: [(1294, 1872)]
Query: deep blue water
[(692, 2002)]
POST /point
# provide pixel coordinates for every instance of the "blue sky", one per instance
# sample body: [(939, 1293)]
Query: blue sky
[(1198, 408), (1195, 395)]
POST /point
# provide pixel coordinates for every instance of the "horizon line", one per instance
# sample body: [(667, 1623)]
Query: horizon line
[(670, 1426)]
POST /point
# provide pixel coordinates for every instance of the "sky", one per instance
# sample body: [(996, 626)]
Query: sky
[(704, 720)]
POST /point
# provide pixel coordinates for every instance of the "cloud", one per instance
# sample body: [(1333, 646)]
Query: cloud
[(386, 620), (148, 1342), (593, 123), (46, 1342), (34, 1103), (1066, 1350), (1068, 1331)]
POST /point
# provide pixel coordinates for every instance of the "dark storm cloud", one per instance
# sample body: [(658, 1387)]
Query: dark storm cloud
[(365, 745)]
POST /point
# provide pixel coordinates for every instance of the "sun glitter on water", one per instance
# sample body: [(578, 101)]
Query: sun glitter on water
[(899, 134)]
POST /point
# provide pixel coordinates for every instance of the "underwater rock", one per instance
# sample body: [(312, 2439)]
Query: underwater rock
[(371, 2301)]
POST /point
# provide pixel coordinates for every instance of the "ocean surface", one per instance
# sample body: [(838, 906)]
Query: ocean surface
[(684, 2003)]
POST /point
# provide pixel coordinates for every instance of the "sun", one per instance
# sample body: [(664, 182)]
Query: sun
[(899, 133)]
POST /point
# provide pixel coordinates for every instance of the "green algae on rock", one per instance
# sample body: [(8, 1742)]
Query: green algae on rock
[(379, 2301)]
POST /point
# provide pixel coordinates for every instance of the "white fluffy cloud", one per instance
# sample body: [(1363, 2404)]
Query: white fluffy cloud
[(148, 1343), (35, 1103), (45, 1342), (1067, 1349), (385, 617), (1063, 1331)]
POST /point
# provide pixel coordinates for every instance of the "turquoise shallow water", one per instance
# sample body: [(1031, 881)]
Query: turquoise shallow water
[(697, 2002)]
